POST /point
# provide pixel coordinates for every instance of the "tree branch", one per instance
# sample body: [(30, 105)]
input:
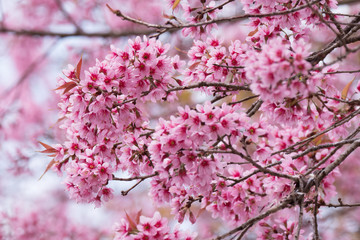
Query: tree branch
[(44, 33)]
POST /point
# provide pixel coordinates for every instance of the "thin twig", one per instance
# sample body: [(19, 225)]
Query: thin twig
[(244, 232), (30, 69), (327, 170), (316, 227), (45, 33), (301, 210), (327, 145), (307, 140), (229, 19), (340, 205), (135, 178), (124, 193), (348, 71), (244, 99), (67, 15), (255, 164), (254, 108)]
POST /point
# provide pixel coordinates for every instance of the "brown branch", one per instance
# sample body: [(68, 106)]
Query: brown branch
[(326, 171), (254, 108), (297, 194), (345, 71), (244, 232), (31, 68), (44, 33), (316, 227), (217, 7), (353, 134), (67, 15), (339, 37), (229, 87), (327, 145), (254, 163), (340, 205), (219, 20), (140, 178), (309, 139), (135, 178), (236, 181), (244, 99), (301, 209), (286, 203), (348, 2), (317, 56), (124, 193)]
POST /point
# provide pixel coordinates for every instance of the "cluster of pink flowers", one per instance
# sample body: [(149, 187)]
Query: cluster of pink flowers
[(243, 191), (193, 154), (191, 150), (150, 228), (195, 11), (281, 229), (211, 62), (43, 224), (297, 22), (180, 154), (216, 157), (101, 117), (280, 70), (277, 71)]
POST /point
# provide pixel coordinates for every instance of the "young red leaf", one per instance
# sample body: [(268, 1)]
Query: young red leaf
[(168, 16), (67, 86), (193, 66), (192, 217), (78, 69), (46, 146), (138, 216), (51, 163), (112, 10), (48, 149), (345, 91), (131, 222), (252, 33), (176, 3)]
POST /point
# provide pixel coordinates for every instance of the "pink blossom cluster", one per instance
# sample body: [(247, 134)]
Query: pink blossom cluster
[(180, 155), (298, 22), (191, 150), (150, 228), (277, 71), (212, 156), (282, 229), (210, 61), (194, 11), (43, 14), (98, 112), (44, 224), (215, 158), (280, 70), (306, 105), (243, 192)]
